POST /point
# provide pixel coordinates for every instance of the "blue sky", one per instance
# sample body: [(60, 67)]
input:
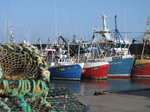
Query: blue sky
[(46, 18)]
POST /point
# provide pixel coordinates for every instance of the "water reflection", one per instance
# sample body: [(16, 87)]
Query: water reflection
[(141, 81), (73, 85), (88, 87)]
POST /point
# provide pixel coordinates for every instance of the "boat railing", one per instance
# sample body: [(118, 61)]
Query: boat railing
[(65, 61)]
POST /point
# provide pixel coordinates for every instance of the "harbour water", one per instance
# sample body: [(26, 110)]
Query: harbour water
[(88, 87)]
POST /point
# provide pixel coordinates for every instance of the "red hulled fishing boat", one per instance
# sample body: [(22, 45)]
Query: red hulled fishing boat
[(96, 70), (141, 67)]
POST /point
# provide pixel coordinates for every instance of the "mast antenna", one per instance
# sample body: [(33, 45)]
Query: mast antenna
[(117, 35), (147, 27), (7, 27), (147, 37)]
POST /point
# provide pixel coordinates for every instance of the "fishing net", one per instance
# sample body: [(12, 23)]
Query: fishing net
[(24, 79)]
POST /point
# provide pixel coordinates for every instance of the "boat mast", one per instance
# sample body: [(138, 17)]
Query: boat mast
[(105, 28), (7, 27), (7, 20), (147, 28), (11, 39), (105, 33), (40, 41), (147, 37), (78, 52)]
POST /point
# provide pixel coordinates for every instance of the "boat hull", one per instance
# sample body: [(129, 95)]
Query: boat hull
[(141, 69), (121, 68), (95, 70), (66, 72)]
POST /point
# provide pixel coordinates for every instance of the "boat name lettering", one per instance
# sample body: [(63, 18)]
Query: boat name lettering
[(116, 63), (72, 67), (60, 69), (115, 58), (140, 66), (95, 68)]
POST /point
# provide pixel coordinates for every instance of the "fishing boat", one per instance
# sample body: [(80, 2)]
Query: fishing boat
[(116, 52), (66, 72), (95, 67), (65, 69), (64, 66), (141, 66), (95, 70), (120, 66)]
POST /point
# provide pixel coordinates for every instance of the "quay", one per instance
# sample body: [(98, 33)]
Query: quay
[(125, 101)]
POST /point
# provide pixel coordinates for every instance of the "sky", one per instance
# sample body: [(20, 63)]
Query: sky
[(34, 19)]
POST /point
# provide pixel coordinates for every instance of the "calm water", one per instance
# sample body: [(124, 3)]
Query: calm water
[(88, 87)]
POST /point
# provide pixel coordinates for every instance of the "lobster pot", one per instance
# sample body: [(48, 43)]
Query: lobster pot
[(9, 105), (21, 62), (60, 99), (63, 100), (37, 106), (4, 70)]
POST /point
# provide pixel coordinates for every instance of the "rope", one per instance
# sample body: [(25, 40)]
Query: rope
[(16, 90)]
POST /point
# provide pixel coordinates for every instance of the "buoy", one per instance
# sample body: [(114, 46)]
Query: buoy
[(83, 71)]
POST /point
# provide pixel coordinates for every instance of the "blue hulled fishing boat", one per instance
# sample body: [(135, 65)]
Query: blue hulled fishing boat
[(65, 68), (120, 66), (67, 72), (61, 64)]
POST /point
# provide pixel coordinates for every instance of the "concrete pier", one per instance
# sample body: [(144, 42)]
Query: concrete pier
[(126, 101)]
